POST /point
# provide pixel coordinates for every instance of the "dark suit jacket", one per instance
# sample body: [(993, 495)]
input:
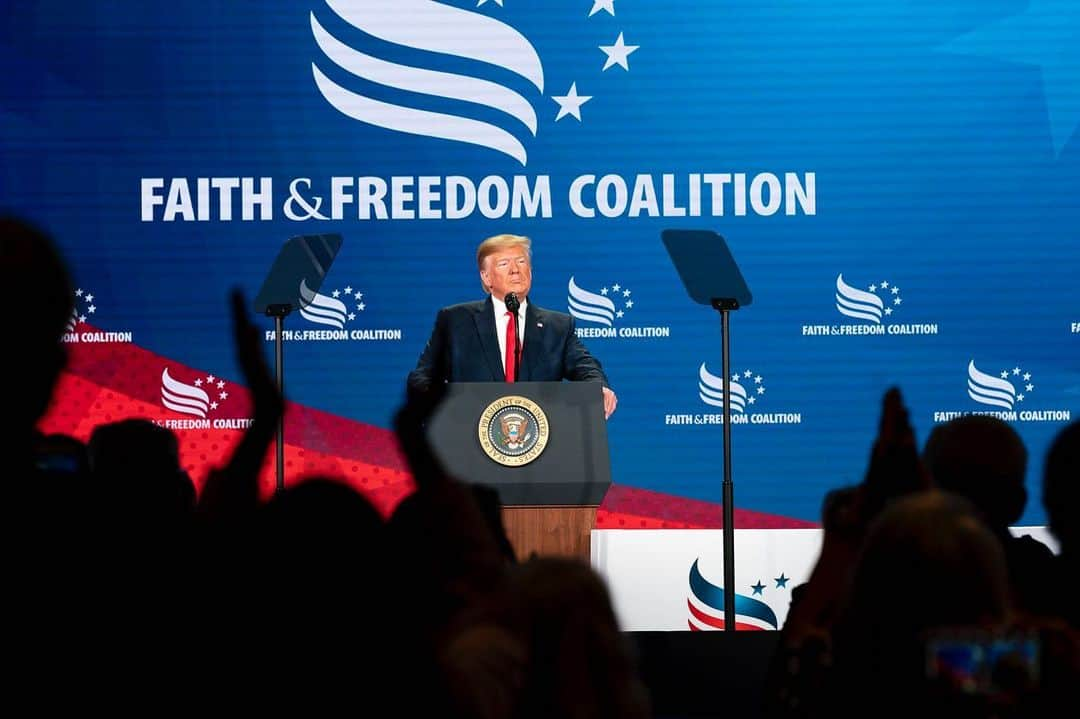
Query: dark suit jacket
[(464, 348)]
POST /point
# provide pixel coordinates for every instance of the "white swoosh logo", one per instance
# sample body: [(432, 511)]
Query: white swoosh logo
[(321, 309), (988, 389), (431, 27), (711, 391), (590, 307), (856, 303), (183, 398)]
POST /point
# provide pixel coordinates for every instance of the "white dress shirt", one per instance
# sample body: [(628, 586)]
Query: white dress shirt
[(502, 319)]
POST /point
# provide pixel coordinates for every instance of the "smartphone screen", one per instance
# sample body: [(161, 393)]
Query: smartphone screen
[(983, 663)]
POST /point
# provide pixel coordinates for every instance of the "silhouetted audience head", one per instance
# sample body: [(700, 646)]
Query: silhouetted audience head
[(320, 579), (33, 276), (443, 552), (1061, 488), (325, 548), (325, 514), (929, 563), (135, 465), (983, 459), (579, 664)]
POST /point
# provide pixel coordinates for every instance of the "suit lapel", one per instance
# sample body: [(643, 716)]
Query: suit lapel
[(484, 318), (533, 345)]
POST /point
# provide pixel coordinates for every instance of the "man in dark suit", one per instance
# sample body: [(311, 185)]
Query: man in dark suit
[(473, 341)]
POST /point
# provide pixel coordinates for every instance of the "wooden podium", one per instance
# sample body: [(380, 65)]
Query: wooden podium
[(541, 445), (549, 531)]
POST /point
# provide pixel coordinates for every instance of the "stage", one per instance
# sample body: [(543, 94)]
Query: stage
[(704, 674), (671, 580)]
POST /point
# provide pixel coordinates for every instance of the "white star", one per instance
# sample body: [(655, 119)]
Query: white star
[(751, 399), (358, 294), (626, 293), (629, 304), (570, 103), (220, 385), (336, 294), (884, 284), (210, 378), (1020, 397), (1005, 374), (213, 405), (761, 389), (619, 314), (1016, 370), (888, 310), (735, 377), (1027, 376), (481, 2), (616, 288), (82, 318), (604, 291), (198, 382), (757, 380), (348, 289), (91, 309), (599, 5), (78, 292), (873, 288), (618, 53), (897, 301), (361, 306), (895, 290), (1029, 386), (223, 395), (747, 373), (352, 316), (89, 298)]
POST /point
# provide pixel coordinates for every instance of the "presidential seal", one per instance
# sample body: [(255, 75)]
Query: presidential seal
[(513, 431)]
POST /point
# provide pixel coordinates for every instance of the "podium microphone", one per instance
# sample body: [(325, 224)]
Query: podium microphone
[(513, 305)]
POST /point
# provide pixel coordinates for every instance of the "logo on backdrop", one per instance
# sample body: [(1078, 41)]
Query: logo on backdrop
[(1006, 394), (711, 389), (869, 312), (606, 313), (469, 35), (84, 311), (1075, 328), (464, 76), (203, 399), (336, 312), (705, 602), (748, 390)]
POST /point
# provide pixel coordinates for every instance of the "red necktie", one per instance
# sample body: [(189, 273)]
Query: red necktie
[(511, 354)]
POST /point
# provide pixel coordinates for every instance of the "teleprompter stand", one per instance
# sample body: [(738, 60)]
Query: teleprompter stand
[(292, 284), (712, 278)]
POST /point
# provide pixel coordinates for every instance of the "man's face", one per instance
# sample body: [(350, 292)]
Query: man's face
[(507, 271)]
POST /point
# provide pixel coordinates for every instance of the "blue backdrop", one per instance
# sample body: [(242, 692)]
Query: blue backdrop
[(898, 181)]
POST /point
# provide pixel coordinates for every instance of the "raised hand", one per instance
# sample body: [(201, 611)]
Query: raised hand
[(895, 468), (234, 489)]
